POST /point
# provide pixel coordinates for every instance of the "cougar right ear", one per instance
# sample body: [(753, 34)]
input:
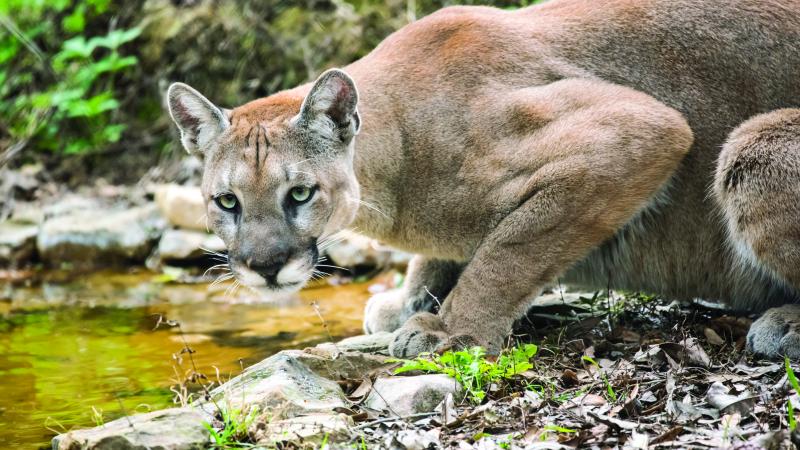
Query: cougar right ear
[(197, 118)]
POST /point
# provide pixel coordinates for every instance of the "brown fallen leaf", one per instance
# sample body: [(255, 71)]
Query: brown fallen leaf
[(668, 435), (718, 397), (688, 352), (713, 338)]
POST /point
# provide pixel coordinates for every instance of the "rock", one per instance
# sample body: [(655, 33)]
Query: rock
[(168, 429), (308, 429), (17, 243), (187, 245), (365, 343), (71, 204), (404, 396), (182, 206), (93, 237), (329, 361), (283, 385), (355, 250)]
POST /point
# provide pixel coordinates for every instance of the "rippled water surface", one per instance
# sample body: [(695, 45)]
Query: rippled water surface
[(68, 347)]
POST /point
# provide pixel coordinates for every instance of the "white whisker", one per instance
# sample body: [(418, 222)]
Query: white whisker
[(333, 267), (299, 162), (223, 266), (370, 206)]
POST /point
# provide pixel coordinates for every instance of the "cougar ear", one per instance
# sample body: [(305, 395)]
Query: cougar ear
[(331, 106), (197, 118)]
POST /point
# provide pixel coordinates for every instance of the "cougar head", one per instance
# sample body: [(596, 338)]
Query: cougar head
[(278, 174)]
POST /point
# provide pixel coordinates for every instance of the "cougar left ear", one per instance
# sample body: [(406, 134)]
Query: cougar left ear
[(331, 106)]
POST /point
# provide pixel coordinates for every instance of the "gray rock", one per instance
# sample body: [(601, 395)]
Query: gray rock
[(404, 396), (368, 343), (329, 361), (361, 346), (168, 429), (308, 429), (17, 243), (182, 206), (283, 385), (357, 250), (183, 245), (93, 237)]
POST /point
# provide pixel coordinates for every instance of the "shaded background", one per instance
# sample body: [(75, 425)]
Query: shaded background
[(82, 81)]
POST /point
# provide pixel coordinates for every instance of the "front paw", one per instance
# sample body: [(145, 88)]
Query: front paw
[(422, 333), (385, 312), (776, 333)]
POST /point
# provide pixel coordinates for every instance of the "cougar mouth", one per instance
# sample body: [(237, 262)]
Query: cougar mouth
[(290, 278)]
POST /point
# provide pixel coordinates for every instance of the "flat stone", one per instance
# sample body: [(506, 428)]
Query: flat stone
[(329, 361), (283, 385), (404, 396), (87, 238), (182, 206), (168, 429), (308, 429), (368, 343), (187, 245), (17, 243)]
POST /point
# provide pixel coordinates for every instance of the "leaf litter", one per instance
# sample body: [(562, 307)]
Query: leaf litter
[(612, 372)]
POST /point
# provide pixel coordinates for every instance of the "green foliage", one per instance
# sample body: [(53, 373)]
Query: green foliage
[(77, 74), (471, 368), (58, 79), (796, 386), (555, 429), (235, 423)]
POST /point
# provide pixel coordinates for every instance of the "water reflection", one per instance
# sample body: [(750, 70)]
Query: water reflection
[(68, 347)]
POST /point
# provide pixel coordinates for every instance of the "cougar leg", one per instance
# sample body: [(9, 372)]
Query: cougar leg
[(603, 157), (757, 185), (427, 283)]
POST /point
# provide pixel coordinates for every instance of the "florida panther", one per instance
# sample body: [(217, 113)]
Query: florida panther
[(647, 145)]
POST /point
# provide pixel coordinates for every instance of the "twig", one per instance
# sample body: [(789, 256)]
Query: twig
[(393, 419)]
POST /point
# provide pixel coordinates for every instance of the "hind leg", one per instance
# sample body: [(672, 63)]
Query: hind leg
[(758, 186)]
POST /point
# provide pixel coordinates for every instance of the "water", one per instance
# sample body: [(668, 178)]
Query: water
[(69, 347)]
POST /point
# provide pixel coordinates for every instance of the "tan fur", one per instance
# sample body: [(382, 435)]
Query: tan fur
[(576, 139)]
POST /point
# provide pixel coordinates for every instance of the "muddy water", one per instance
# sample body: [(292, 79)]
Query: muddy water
[(66, 348)]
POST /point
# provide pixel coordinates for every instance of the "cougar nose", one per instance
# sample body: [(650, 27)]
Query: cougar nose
[(270, 266)]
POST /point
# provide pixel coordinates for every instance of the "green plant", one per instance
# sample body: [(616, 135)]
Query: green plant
[(551, 391), (555, 429), (233, 433), (471, 368), (610, 393), (62, 99), (796, 386), (97, 417)]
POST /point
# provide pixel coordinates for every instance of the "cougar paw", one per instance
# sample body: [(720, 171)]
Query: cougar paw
[(423, 332), (776, 333), (385, 312)]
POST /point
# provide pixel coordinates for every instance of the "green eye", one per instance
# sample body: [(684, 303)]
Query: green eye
[(300, 194), (228, 202)]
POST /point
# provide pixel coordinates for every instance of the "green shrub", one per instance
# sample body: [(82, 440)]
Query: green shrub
[(59, 79), (471, 368)]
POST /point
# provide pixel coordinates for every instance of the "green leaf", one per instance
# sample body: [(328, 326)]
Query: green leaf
[(559, 429), (790, 374), (76, 21)]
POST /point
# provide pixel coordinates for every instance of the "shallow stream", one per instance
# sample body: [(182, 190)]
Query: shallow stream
[(79, 352)]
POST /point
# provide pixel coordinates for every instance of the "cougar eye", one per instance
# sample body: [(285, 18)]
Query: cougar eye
[(301, 194), (227, 202)]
